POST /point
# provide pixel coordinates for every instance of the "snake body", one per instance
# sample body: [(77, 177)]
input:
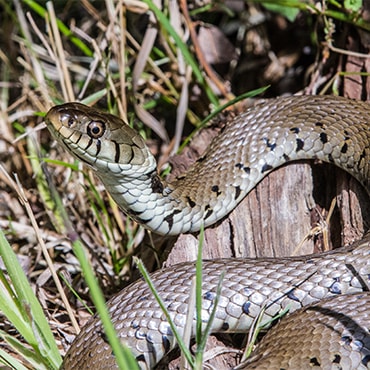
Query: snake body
[(272, 133)]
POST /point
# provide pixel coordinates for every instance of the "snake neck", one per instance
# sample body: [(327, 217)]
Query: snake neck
[(249, 148), (273, 133), (140, 197)]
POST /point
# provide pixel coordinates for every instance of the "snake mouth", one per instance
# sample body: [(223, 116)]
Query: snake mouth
[(52, 120)]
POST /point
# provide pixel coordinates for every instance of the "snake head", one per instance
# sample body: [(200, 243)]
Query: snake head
[(101, 140)]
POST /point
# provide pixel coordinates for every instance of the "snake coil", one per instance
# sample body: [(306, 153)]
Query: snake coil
[(328, 291)]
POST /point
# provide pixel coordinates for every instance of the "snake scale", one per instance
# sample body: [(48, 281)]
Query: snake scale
[(329, 292)]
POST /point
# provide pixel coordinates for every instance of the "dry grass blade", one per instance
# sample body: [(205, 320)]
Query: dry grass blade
[(146, 61), (16, 185), (141, 61)]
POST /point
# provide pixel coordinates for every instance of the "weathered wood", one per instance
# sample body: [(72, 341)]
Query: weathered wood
[(280, 212), (277, 215)]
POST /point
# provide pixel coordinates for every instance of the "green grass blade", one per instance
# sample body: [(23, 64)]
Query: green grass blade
[(29, 308), (36, 7), (44, 187), (12, 308), (10, 361), (184, 350), (198, 287), (27, 353), (165, 23), (202, 335), (123, 355), (207, 331)]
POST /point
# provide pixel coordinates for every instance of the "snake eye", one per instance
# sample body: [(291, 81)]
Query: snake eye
[(96, 129)]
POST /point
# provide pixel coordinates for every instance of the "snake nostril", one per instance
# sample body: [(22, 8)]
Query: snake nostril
[(67, 120)]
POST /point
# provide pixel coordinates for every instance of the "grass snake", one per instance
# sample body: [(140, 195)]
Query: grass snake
[(329, 292)]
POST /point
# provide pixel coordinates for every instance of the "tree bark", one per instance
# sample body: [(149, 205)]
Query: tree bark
[(274, 219)]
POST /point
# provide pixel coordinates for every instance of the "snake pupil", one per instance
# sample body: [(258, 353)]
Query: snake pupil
[(96, 129)]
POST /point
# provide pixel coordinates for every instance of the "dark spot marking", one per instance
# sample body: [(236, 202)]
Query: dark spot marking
[(246, 307), (79, 138), (166, 343), (102, 335), (292, 296), (223, 128), (237, 192), (134, 325), (156, 183), (215, 189), (286, 157), (268, 144), (169, 331), (169, 306), (200, 159), (266, 167), (314, 361), (295, 130), (330, 158), (347, 340), (363, 155), (366, 360), (319, 124), (300, 145), (118, 151), (132, 156), (192, 204), (209, 212), (142, 298), (335, 287), (140, 358), (225, 326), (98, 147), (240, 166), (344, 148), (209, 296), (169, 218), (324, 137), (337, 359), (89, 144)]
